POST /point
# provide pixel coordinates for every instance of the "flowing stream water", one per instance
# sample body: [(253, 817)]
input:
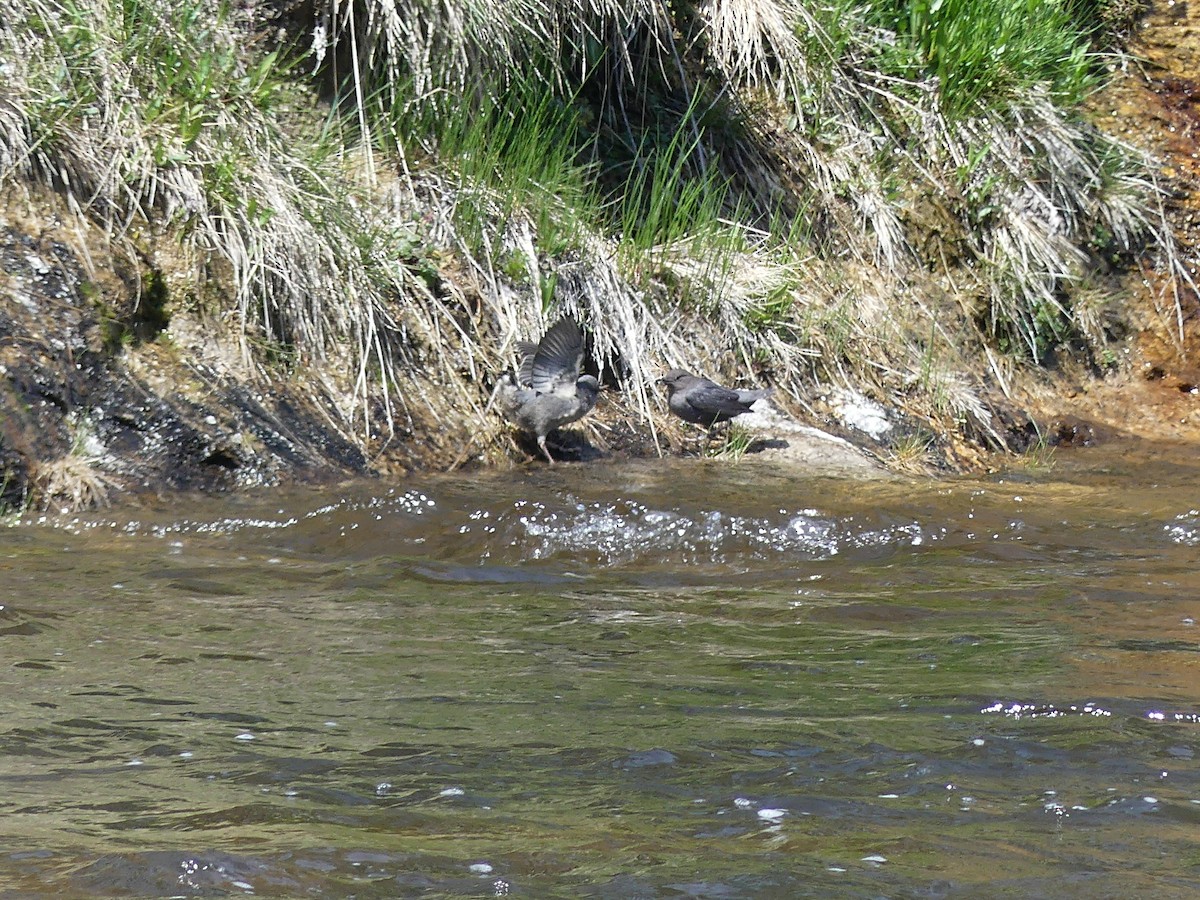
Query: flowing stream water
[(686, 678)]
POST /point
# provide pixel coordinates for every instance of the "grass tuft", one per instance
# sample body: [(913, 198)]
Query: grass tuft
[(76, 480), (912, 454), (736, 442), (74, 483)]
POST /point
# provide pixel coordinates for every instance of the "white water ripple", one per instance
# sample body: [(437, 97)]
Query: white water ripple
[(613, 533)]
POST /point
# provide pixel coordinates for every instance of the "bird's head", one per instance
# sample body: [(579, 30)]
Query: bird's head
[(673, 379), (589, 384)]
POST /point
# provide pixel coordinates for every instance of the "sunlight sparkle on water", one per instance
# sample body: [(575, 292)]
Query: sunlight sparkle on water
[(1185, 529), (626, 530), (1158, 716), (1043, 710)]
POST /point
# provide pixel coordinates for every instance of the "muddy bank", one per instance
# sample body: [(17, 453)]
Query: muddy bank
[(1153, 104), (110, 383), (115, 380)]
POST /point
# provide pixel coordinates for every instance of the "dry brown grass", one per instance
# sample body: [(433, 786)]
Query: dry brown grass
[(72, 483)]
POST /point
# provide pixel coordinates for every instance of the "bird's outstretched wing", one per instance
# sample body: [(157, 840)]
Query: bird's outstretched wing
[(559, 357), (527, 350), (709, 399)]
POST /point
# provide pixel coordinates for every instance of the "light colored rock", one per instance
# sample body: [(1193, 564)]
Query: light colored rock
[(858, 411), (784, 440)]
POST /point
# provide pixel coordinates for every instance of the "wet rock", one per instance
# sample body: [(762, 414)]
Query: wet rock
[(1071, 431), (89, 396)]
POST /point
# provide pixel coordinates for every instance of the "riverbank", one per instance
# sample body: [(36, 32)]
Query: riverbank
[(197, 338)]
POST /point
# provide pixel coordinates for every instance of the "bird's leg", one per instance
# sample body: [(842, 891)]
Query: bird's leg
[(545, 452)]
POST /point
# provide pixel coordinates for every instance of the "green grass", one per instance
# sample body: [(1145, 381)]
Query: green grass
[(519, 149), (171, 73), (911, 453), (188, 72), (854, 75), (670, 194), (989, 53), (736, 441)]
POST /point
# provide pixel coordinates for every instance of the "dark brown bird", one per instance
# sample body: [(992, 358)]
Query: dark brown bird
[(548, 391), (703, 402)]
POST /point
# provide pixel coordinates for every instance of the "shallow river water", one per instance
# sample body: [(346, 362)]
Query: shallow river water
[(680, 679)]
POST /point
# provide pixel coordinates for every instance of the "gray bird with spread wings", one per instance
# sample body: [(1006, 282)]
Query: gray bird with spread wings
[(703, 402), (548, 391)]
